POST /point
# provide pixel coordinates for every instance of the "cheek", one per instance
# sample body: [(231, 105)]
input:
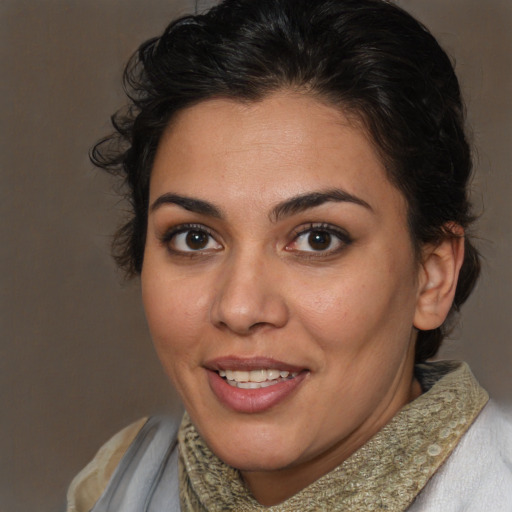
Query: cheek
[(175, 311), (353, 309)]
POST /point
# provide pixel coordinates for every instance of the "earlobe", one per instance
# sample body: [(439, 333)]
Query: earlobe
[(438, 277)]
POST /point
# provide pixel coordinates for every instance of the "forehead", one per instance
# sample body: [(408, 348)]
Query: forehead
[(286, 144)]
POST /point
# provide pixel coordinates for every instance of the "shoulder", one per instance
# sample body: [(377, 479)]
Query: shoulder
[(89, 484), (136, 448), (478, 474)]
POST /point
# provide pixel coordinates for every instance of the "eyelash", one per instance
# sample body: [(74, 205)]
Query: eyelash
[(172, 233), (341, 235)]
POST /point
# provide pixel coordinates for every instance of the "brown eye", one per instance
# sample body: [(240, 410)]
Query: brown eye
[(196, 240), (319, 240), (189, 240)]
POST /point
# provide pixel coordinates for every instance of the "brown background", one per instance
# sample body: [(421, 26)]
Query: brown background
[(75, 358)]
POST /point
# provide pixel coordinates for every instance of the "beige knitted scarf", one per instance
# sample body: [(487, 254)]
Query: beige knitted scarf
[(386, 473)]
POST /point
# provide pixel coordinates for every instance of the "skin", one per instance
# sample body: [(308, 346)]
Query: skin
[(345, 314)]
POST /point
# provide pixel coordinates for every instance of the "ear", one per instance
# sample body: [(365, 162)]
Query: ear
[(438, 277)]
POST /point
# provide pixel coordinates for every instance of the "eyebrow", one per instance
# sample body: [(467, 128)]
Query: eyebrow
[(286, 208), (187, 203), (303, 202)]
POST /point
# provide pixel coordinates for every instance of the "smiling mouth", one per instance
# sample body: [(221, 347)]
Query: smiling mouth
[(253, 385), (256, 379)]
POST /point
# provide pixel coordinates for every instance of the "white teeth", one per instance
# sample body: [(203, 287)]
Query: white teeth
[(267, 383), (248, 385), (241, 376), (252, 385), (258, 376), (255, 378)]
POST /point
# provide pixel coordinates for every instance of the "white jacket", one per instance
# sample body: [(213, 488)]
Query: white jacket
[(477, 477)]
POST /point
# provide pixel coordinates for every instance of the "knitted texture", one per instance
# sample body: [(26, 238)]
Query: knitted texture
[(386, 473)]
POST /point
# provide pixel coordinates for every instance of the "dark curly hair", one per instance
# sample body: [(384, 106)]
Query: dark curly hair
[(368, 57)]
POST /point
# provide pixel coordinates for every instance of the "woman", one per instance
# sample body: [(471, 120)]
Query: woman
[(299, 173)]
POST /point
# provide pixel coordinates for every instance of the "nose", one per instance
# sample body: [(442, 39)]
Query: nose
[(249, 297)]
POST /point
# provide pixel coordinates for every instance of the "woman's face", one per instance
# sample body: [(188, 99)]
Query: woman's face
[(279, 281)]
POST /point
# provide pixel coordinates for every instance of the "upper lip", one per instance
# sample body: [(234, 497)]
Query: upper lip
[(250, 363)]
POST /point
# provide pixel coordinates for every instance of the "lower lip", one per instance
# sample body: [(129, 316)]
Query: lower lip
[(252, 400)]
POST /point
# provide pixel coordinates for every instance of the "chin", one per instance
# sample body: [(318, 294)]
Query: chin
[(249, 449), (256, 460)]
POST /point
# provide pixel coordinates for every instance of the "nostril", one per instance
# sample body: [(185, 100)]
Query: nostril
[(243, 329), (258, 326)]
